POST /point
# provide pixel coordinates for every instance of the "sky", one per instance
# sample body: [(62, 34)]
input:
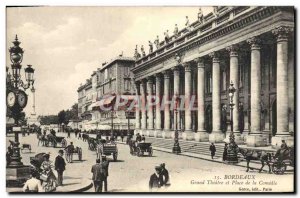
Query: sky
[(66, 44)]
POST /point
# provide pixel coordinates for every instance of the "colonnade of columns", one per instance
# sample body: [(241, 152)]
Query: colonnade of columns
[(255, 137)]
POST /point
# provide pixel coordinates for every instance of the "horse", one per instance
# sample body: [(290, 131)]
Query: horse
[(263, 156), (42, 139)]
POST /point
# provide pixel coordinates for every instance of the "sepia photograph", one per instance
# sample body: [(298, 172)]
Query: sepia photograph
[(150, 99)]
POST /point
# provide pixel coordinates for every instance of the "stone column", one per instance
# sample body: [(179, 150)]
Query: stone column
[(158, 131), (216, 135), (282, 132), (234, 77), (138, 108), (255, 138), (201, 135), (176, 92), (188, 133), (166, 103), (143, 108), (150, 99)]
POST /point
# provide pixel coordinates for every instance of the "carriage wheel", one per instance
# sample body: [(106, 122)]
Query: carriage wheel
[(115, 155), (139, 152), (64, 143), (150, 151), (80, 154), (279, 168)]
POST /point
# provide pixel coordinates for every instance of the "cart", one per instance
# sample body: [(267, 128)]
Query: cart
[(107, 148), (139, 148), (282, 159)]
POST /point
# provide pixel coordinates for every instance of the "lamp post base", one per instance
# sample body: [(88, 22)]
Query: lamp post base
[(16, 176), (176, 148)]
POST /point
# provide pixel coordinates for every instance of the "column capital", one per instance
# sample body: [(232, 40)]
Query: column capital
[(137, 83), (282, 32), (215, 56), (166, 74), (233, 50), (187, 66), (199, 61), (150, 80), (254, 42), (158, 76)]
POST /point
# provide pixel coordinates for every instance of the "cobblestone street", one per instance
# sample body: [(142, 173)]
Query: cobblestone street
[(132, 173)]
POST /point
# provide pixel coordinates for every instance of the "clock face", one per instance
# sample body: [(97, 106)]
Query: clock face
[(22, 99), (11, 99)]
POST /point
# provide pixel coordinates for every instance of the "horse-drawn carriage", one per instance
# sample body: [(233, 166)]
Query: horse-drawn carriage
[(277, 163), (47, 177), (103, 147), (107, 148), (53, 140), (139, 148), (76, 151)]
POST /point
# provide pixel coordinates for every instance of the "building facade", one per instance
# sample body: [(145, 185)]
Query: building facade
[(114, 79), (252, 47)]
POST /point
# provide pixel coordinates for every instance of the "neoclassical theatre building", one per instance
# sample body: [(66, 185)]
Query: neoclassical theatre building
[(252, 47)]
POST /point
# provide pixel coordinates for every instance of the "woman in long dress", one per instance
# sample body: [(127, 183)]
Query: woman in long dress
[(48, 175)]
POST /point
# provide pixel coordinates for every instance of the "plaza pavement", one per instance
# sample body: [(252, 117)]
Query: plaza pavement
[(132, 173)]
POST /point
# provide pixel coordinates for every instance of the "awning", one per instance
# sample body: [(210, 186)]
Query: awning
[(103, 102)]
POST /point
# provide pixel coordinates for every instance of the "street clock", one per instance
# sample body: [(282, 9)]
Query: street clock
[(11, 99), (22, 99)]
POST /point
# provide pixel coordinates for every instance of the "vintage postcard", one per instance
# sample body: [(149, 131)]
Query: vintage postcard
[(150, 99)]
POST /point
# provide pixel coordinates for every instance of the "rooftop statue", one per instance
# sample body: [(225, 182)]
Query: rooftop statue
[(216, 12), (143, 51), (150, 47), (167, 38), (187, 23), (137, 55), (156, 42), (200, 16), (176, 31)]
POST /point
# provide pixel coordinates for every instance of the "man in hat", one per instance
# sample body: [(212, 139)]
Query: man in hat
[(164, 175), (97, 175), (154, 182), (60, 167), (104, 165)]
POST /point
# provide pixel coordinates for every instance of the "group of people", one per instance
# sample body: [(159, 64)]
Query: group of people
[(44, 174), (160, 178)]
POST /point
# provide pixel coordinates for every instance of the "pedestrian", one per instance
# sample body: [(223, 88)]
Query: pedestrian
[(69, 134), (76, 133), (212, 149), (97, 175), (283, 145), (105, 165), (47, 172), (69, 150), (225, 152), (33, 184), (154, 182), (80, 134), (143, 139), (138, 137), (122, 136), (60, 167), (164, 175)]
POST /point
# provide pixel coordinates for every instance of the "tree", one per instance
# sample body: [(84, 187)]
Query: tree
[(62, 117)]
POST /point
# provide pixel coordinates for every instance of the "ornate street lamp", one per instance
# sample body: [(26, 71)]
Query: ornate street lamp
[(232, 148), (16, 102), (176, 148)]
